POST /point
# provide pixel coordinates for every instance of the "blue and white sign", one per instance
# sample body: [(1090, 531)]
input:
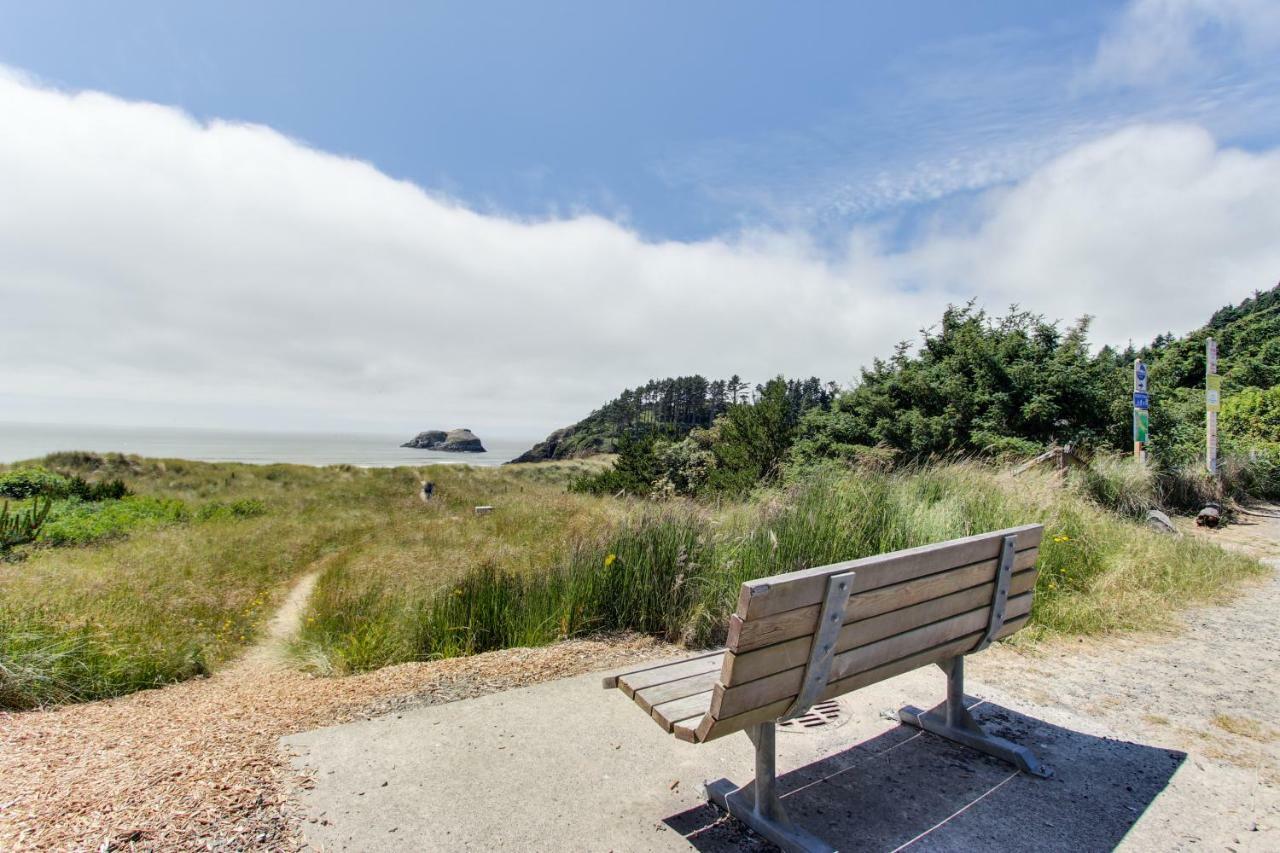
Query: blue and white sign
[(1141, 400), (1140, 379)]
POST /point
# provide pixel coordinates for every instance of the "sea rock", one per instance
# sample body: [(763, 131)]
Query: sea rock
[(429, 440), (462, 441), (453, 441)]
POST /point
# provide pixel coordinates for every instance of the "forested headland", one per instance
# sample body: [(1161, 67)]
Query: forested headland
[(973, 384)]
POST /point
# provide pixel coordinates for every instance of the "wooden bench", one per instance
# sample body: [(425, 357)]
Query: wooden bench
[(807, 636)]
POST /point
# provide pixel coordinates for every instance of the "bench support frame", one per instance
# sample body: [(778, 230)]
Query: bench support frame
[(953, 721), (757, 805)]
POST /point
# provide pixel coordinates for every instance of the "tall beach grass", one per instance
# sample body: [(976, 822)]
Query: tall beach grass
[(673, 570)]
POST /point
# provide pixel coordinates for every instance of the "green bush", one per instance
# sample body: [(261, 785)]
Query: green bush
[(79, 523), (1252, 414), (30, 482), (107, 490), (22, 526)]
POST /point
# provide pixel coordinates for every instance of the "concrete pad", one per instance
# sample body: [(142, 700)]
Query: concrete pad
[(568, 766)]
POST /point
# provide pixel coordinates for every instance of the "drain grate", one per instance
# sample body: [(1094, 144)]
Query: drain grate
[(824, 715)]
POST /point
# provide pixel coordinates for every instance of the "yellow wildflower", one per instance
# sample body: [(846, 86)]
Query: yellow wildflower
[(609, 560)]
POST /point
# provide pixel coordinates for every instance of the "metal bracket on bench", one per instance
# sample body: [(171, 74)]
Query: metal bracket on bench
[(823, 650), (1001, 598)]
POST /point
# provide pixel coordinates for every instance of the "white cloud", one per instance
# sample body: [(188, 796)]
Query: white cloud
[(1153, 41), (153, 265), (1149, 229)]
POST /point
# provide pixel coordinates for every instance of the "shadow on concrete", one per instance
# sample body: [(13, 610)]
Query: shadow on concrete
[(908, 789)]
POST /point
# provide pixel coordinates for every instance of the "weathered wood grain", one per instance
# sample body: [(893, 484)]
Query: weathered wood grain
[(751, 665), (710, 727), (746, 635), (671, 690), (729, 701), (686, 709), (788, 591), (630, 682)]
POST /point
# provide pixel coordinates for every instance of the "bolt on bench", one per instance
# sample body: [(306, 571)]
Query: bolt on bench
[(811, 635)]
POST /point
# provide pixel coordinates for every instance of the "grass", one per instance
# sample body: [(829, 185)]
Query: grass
[(1246, 727), (674, 569), (173, 596), (167, 597)]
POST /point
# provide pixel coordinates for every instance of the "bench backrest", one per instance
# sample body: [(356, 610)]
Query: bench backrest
[(905, 610)]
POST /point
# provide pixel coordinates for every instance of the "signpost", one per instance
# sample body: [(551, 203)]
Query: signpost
[(1141, 410), (1212, 402)]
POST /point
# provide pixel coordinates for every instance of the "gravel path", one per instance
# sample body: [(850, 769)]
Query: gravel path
[(1211, 689)]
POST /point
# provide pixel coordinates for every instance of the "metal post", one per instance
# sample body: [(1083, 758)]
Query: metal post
[(760, 808), (956, 711), (953, 721)]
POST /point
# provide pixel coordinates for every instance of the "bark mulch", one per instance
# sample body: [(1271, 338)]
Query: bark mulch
[(196, 765)]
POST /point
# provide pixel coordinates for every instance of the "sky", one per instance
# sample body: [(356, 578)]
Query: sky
[(389, 217)]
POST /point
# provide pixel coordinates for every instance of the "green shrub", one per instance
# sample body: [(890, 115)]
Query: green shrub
[(78, 523), (1252, 414), (107, 490), (22, 526), (30, 482)]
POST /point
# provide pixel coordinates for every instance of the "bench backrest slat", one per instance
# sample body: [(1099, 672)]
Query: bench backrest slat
[(908, 609)]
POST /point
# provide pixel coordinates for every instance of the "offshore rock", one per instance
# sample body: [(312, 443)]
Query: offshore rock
[(453, 441)]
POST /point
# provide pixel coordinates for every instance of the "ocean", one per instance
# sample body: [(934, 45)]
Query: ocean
[(28, 441)]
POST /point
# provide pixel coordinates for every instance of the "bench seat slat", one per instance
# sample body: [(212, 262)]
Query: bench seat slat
[(669, 691), (747, 666), (737, 699), (746, 635), (631, 682), (710, 728), (689, 709), (611, 681), (802, 588)]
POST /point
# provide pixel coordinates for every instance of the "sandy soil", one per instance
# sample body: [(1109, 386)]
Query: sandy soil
[(1212, 688), (197, 765)]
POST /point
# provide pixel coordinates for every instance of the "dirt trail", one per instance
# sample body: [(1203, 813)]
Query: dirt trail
[(284, 624), (197, 766), (1211, 689)]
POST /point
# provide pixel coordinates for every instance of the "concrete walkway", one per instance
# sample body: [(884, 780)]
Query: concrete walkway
[(569, 766)]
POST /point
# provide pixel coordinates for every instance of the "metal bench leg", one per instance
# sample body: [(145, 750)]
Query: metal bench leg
[(953, 721), (757, 804)]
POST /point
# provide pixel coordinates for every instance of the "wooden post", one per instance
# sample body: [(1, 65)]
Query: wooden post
[(1141, 421), (1212, 402)]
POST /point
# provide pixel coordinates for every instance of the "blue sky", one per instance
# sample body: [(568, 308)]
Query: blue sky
[(684, 119), (671, 187)]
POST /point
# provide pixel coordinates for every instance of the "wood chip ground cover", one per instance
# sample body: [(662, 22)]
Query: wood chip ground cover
[(196, 766)]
